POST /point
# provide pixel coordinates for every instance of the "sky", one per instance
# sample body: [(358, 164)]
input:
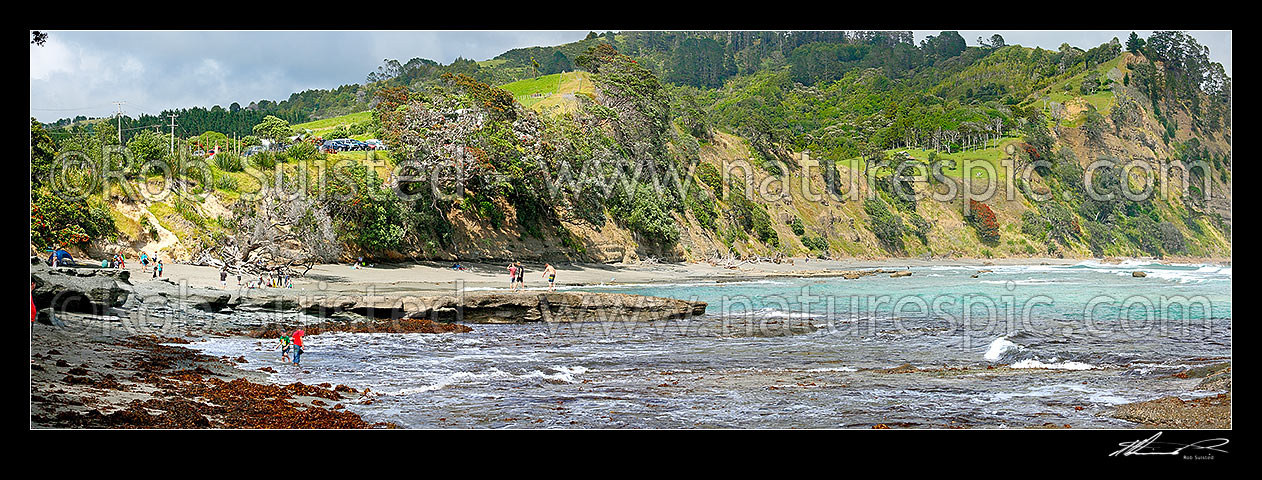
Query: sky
[(85, 72)]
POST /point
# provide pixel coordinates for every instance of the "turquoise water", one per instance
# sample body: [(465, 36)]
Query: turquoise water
[(1018, 346)]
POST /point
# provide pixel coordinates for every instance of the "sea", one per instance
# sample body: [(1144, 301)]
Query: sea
[(962, 346)]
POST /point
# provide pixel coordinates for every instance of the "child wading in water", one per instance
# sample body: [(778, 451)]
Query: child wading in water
[(551, 274), (284, 345), (512, 277)]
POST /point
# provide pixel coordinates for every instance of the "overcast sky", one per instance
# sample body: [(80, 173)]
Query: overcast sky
[(84, 72)]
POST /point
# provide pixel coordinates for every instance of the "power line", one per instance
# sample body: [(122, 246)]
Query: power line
[(68, 109)]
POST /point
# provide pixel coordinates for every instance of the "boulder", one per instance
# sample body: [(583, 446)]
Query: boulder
[(1138, 274), (46, 316), (904, 273), (87, 290)]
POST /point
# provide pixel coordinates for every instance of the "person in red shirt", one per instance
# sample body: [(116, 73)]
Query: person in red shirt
[(298, 344)]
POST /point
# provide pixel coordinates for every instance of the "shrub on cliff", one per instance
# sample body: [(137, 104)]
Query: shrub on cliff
[(57, 222), (887, 226), (983, 219)]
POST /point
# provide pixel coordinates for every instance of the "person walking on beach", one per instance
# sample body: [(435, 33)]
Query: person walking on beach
[(551, 274), (512, 277), (158, 268), (144, 262), (298, 345), (521, 276), (223, 277)]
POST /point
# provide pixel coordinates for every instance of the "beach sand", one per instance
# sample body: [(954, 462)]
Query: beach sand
[(440, 278)]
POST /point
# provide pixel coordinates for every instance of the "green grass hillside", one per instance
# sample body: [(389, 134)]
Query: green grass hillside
[(552, 92)]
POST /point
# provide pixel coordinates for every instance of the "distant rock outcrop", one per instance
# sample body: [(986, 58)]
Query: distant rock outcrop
[(99, 291)]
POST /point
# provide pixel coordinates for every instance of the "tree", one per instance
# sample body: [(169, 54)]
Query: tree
[(946, 45), (274, 129), (996, 41), (983, 218), (43, 152), (148, 146), (278, 233), (38, 38), (1134, 44)]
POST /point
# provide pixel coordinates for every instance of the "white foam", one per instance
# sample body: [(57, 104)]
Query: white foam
[(575, 370), (1028, 281), (998, 347), (832, 369), (454, 378), (773, 313), (1035, 363), (1093, 395)]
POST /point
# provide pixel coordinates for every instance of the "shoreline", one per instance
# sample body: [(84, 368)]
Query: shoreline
[(427, 277), (141, 380), (124, 377)]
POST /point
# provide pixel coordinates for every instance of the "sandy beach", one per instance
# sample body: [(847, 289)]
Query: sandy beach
[(440, 278)]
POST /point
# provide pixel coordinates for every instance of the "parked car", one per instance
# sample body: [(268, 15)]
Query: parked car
[(375, 144), (335, 145), (253, 151)]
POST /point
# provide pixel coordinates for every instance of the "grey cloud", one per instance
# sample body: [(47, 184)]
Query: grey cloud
[(159, 69)]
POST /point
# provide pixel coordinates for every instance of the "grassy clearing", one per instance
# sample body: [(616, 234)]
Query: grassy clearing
[(556, 91), (331, 123), (546, 85), (991, 155)]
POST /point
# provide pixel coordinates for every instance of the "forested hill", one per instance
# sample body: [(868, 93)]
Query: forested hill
[(627, 146)]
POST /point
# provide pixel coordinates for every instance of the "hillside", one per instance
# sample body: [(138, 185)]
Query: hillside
[(619, 156)]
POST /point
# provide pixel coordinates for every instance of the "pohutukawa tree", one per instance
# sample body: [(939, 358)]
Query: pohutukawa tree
[(283, 231)]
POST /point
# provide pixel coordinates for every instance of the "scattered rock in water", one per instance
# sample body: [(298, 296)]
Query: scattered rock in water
[(1138, 274), (904, 368), (904, 273)]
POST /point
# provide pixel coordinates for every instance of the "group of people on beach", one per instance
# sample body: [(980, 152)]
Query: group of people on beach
[(517, 276), (279, 280), (291, 341), (116, 260), (145, 260)]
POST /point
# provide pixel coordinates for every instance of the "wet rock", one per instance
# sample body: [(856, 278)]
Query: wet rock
[(86, 290), (904, 368), (1138, 274), (47, 316), (900, 274)]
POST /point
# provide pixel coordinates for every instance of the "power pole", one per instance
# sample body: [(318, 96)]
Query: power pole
[(120, 104), (172, 133)]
